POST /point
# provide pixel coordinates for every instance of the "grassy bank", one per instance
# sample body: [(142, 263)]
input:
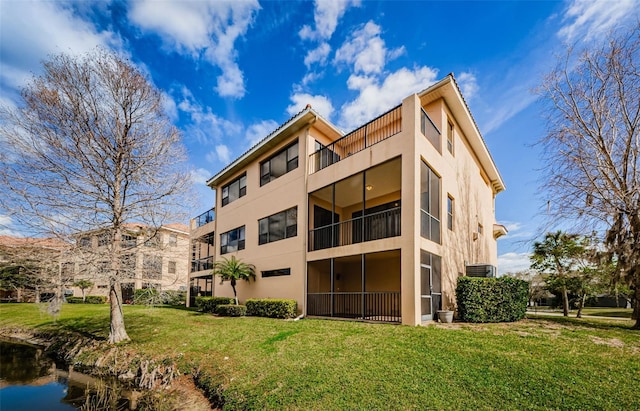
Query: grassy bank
[(313, 364)]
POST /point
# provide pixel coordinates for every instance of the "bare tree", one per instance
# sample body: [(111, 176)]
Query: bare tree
[(592, 147), (92, 149)]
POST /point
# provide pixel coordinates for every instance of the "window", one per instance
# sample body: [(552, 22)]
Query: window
[(429, 203), (234, 190), (173, 240), (232, 240), (450, 212), (171, 267), (279, 164), (278, 226), (450, 137), (152, 240), (152, 267), (430, 131), (103, 239), (127, 241), (85, 242), (480, 228), (276, 273)]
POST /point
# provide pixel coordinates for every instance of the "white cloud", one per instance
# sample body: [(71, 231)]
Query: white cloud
[(206, 29), (206, 127), (169, 106), (258, 131), (223, 153), (200, 175), (318, 55), (321, 104), (468, 84), (7, 227), (365, 50), (33, 30), (513, 262), (326, 16), (374, 97), (589, 19)]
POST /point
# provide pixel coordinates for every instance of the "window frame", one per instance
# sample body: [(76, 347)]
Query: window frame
[(433, 202), (450, 138), (280, 272), (242, 189), (266, 178), (450, 211), (171, 267), (239, 241), (288, 230)]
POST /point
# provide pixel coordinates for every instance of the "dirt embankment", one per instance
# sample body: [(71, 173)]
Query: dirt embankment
[(100, 359)]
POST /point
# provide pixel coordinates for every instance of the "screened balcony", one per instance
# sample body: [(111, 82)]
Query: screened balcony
[(359, 287), (375, 131), (360, 208)]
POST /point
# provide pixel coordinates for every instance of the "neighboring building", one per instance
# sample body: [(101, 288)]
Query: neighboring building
[(152, 259), (29, 268), (376, 225)]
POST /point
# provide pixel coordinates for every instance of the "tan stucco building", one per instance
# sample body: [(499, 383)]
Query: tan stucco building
[(377, 224), (152, 258)]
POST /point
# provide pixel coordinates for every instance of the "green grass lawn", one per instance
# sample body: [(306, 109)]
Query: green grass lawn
[(597, 311), (541, 363)]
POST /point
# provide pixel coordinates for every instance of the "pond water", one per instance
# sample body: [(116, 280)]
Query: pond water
[(29, 380)]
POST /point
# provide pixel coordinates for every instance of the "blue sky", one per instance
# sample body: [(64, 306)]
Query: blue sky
[(231, 72)]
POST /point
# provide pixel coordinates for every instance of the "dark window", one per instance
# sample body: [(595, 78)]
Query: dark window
[(173, 240), (279, 164), (172, 267), (152, 267), (103, 239), (450, 137), (276, 273), (232, 240), (430, 131), (450, 212), (234, 190), (429, 203), (278, 226), (85, 242)]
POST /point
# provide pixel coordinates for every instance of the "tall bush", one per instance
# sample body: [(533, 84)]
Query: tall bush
[(210, 304), (484, 300), (271, 307)]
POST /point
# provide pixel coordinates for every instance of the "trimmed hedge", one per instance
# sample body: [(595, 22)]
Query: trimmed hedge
[(90, 299), (96, 299), (272, 308), (209, 304), (231, 310), (490, 300)]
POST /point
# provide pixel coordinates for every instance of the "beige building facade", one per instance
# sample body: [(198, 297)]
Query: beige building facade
[(377, 224), (152, 258)]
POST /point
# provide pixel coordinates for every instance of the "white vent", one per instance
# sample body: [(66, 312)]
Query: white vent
[(481, 270)]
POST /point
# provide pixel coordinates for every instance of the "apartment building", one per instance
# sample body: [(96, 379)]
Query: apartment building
[(377, 224), (152, 258)]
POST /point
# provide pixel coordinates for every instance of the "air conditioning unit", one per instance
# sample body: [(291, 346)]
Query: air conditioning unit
[(481, 270)]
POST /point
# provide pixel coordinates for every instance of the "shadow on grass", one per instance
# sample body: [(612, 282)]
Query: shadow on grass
[(598, 324)]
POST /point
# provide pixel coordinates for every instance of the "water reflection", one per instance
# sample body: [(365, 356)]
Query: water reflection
[(29, 380)]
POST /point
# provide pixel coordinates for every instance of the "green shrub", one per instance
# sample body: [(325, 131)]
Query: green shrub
[(146, 296), (95, 299), (231, 310), (209, 304), (486, 300), (271, 307), (172, 297), (74, 300)]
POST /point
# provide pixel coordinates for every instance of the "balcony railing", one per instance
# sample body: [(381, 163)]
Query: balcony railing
[(430, 131), (375, 131), (205, 218), (383, 224), (372, 306), (202, 264)]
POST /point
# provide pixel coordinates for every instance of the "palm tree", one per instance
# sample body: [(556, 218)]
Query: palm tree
[(234, 270)]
